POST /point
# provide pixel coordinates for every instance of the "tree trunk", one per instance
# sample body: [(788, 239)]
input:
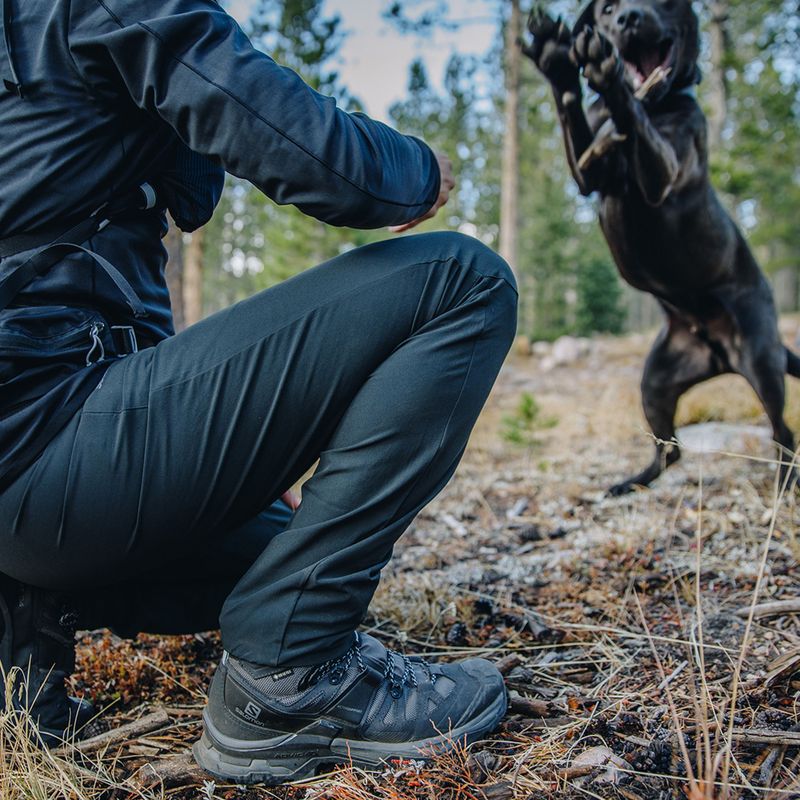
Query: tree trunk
[(717, 81), (509, 188), (785, 289), (173, 241), (193, 278)]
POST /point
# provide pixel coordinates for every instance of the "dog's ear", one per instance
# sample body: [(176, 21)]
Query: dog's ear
[(689, 73), (586, 18)]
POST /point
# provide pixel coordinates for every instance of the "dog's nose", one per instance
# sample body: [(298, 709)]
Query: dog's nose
[(631, 18)]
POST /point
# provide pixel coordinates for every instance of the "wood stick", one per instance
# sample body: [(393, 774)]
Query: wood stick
[(549, 723), (767, 736), (507, 663), (170, 773), (677, 671), (771, 609), (529, 707), (607, 137), (542, 632), (581, 771), (133, 730)]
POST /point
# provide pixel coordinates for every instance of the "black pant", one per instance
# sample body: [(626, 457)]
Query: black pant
[(377, 363)]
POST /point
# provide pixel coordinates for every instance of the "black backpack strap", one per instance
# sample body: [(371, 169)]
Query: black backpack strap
[(56, 246), (8, 71), (44, 259)]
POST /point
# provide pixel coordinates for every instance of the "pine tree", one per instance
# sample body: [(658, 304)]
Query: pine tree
[(599, 302)]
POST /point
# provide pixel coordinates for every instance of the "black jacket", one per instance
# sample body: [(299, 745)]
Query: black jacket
[(97, 96)]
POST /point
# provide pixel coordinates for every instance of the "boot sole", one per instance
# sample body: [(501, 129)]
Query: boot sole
[(296, 757)]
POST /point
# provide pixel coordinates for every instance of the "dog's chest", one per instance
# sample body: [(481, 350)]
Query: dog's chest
[(646, 242)]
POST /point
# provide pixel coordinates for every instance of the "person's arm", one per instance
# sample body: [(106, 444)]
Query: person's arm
[(188, 63)]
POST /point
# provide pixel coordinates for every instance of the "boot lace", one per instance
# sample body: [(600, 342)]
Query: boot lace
[(336, 668)]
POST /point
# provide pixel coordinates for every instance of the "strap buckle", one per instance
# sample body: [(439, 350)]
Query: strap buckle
[(124, 338)]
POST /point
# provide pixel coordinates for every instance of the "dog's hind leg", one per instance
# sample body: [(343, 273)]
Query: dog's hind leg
[(792, 364), (765, 372), (677, 362), (764, 363)]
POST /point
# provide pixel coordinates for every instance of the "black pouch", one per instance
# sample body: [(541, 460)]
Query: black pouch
[(40, 345)]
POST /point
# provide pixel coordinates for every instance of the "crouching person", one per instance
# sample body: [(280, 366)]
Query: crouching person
[(136, 464)]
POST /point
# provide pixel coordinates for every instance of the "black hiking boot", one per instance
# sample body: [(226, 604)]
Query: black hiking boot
[(274, 725), (37, 655)]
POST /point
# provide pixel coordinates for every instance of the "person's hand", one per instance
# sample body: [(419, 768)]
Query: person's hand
[(446, 185), (291, 500)]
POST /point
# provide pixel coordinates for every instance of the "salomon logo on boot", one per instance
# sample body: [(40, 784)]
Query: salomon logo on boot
[(251, 712)]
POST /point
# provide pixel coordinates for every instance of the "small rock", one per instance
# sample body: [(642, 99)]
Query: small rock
[(480, 766), (520, 674), (533, 533), (721, 437), (519, 508), (498, 791), (522, 346), (457, 635), (566, 350), (484, 606), (548, 364), (601, 757)]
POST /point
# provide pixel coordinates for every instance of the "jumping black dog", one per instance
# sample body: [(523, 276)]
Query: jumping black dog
[(665, 226)]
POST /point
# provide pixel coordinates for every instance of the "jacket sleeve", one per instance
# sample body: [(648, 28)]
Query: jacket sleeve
[(190, 186), (188, 63)]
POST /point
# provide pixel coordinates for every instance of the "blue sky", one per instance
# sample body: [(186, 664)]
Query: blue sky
[(375, 57)]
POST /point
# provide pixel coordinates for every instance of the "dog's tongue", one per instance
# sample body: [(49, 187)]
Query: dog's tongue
[(649, 61)]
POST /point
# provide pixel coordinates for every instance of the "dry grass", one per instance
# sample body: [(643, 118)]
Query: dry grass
[(31, 772), (625, 617)]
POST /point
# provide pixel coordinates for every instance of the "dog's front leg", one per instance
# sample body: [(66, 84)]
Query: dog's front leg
[(653, 160), (551, 51)]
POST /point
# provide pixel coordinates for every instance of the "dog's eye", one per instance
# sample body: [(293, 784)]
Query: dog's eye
[(608, 9)]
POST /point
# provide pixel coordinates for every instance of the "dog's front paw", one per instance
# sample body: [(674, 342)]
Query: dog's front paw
[(551, 50), (598, 58)]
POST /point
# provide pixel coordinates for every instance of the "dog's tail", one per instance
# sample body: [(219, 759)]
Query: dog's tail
[(792, 363)]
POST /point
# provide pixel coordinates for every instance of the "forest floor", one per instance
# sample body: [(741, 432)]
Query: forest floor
[(640, 658)]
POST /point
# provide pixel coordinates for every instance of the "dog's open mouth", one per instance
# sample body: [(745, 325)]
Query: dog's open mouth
[(642, 60)]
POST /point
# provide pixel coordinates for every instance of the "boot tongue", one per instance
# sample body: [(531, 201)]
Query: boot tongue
[(372, 651)]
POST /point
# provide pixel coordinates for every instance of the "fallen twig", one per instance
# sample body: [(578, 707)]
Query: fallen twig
[(766, 736), (581, 771), (507, 663), (541, 631), (529, 707), (133, 730), (674, 674), (170, 773), (546, 723), (771, 609)]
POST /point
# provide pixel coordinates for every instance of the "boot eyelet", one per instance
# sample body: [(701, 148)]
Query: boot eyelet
[(396, 692), (335, 678), (68, 620)]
